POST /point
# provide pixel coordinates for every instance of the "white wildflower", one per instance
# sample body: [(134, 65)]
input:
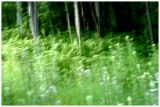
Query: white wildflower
[(127, 37), (47, 92), (108, 77), (147, 93), (138, 66), (40, 76), (21, 101), (82, 72), (131, 39), (87, 72), (153, 45), (152, 84), (53, 89), (29, 93), (117, 44), (120, 104), (58, 102), (129, 100), (89, 99), (113, 57), (102, 100), (134, 52), (43, 95), (149, 63), (104, 77), (42, 88), (145, 74), (110, 47), (153, 90), (114, 82), (102, 83), (6, 89), (150, 76)]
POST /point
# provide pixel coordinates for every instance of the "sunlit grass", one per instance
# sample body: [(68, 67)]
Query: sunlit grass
[(108, 71)]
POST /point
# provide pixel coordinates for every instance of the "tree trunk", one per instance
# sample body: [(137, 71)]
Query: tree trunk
[(32, 8), (50, 18), (111, 18), (103, 7), (77, 23), (19, 17), (149, 23), (68, 21), (95, 16), (83, 19), (98, 20)]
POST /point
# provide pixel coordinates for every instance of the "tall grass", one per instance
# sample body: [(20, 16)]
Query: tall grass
[(108, 71)]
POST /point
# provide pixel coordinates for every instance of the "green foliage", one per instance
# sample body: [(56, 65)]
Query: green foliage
[(108, 71), (8, 8)]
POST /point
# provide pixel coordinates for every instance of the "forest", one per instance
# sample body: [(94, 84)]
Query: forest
[(79, 53)]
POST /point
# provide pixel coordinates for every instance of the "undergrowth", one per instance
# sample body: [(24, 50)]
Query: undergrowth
[(108, 71)]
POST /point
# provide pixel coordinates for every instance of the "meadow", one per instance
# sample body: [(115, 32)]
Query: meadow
[(114, 70)]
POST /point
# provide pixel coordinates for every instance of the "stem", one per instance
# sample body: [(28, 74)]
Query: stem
[(149, 23)]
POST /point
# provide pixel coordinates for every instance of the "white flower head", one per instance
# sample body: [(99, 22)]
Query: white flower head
[(149, 63), (153, 45), (29, 93), (53, 89), (43, 95), (42, 88), (40, 76), (21, 101), (138, 66), (134, 52), (58, 102), (153, 90), (117, 44), (89, 99), (87, 72), (127, 37), (152, 84), (101, 83), (47, 91), (120, 104), (108, 77), (113, 57), (110, 47), (6, 89), (129, 100)]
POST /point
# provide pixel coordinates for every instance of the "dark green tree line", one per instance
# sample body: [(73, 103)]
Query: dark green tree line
[(140, 18)]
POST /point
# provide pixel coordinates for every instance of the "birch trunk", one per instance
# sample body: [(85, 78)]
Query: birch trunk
[(77, 23), (19, 17), (68, 21), (32, 7)]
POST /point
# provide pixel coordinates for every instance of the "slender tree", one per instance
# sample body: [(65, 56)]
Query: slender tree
[(50, 18), (77, 23), (68, 21), (149, 23), (95, 18), (33, 19), (98, 20), (83, 14), (111, 17), (19, 17)]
